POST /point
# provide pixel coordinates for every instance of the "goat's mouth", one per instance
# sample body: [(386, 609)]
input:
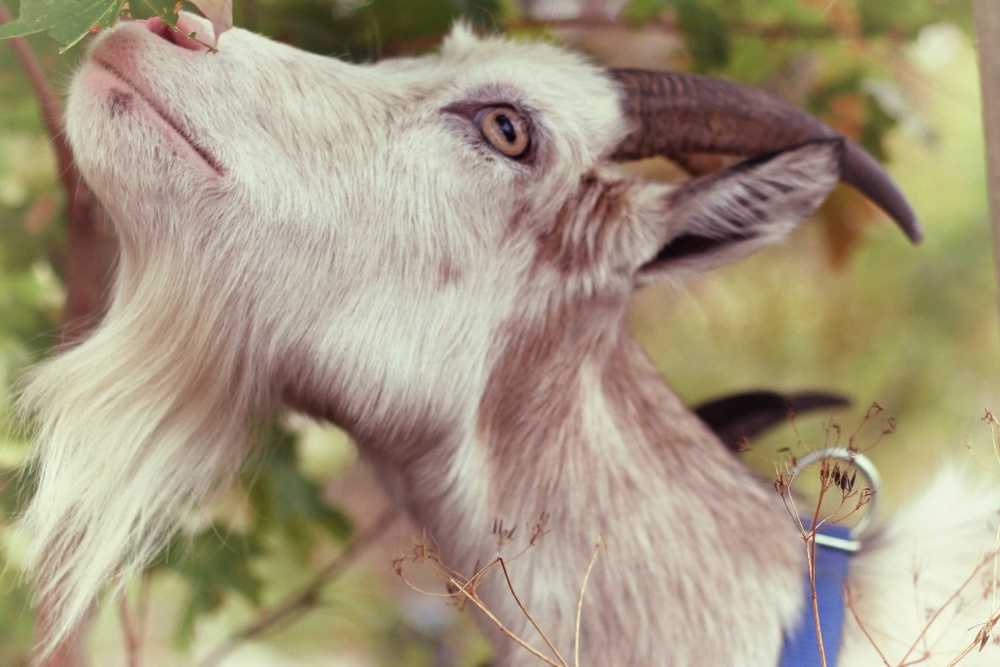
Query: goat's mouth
[(119, 102)]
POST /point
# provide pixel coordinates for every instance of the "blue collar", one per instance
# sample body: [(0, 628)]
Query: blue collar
[(833, 551)]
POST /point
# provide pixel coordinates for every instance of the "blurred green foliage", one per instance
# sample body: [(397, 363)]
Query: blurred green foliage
[(846, 309)]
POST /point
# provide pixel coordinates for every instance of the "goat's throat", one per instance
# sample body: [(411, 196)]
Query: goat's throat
[(596, 439), (578, 456), (587, 445)]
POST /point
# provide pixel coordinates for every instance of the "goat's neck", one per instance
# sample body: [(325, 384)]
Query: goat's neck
[(578, 434), (577, 423)]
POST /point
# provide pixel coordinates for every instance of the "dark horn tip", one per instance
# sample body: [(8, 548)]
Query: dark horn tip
[(904, 217), (911, 227), (863, 171)]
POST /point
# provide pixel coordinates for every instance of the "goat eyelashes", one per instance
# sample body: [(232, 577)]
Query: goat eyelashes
[(467, 329)]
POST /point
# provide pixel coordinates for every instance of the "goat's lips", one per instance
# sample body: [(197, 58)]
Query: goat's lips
[(130, 96), (179, 34)]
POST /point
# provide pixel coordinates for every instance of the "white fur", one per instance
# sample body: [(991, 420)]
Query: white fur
[(907, 583), (299, 230)]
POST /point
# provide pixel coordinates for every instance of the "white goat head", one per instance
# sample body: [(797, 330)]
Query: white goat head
[(435, 254)]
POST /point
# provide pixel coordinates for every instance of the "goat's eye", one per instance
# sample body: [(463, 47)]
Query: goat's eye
[(506, 130)]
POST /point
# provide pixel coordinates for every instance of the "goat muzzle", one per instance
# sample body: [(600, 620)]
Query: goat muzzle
[(674, 114)]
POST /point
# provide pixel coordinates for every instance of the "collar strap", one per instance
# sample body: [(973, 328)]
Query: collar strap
[(834, 547)]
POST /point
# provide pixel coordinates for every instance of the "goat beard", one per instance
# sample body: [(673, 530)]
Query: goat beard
[(135, 427)]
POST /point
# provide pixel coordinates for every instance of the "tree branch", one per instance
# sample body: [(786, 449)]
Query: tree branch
[(90, 249), (670, 25), (305, 598)]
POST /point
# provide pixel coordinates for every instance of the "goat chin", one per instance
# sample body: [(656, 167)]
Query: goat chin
[(350, 240)]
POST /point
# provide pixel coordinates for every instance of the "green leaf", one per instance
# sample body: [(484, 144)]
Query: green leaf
[(282, 496), (16, 621), (878, 125), (903, 17), (213, 567), (706, 34), (641, 11), (66, 21)]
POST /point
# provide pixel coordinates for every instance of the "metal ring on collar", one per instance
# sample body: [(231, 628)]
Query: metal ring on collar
[(864, 465)]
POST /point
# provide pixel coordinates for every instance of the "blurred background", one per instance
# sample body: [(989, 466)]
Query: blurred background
[(846, 305)]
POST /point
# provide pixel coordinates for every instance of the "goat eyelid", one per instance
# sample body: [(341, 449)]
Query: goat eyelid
[(506, 129)]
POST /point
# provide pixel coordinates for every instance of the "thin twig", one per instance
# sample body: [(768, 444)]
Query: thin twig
[(994, 582), (951, 599), (468, 591), (923, 633), (849, 597), (306, 597), (132, 632), (452, 577), (503, 628), (980, 640), (579, 604), (524, 611), (811, 559)]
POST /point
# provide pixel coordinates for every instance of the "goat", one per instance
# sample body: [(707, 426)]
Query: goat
[(436, 254)]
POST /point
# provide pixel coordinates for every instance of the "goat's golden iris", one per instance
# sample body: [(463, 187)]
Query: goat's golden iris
[(506, 130)]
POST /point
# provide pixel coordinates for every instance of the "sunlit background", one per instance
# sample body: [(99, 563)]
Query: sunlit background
[(846, 305)]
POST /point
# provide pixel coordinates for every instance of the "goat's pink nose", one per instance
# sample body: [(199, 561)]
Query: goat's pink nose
[(179, 35)]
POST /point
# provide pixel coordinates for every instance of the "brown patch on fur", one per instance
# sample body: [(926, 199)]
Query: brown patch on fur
[(449, 273), (119, 103), (585, 227), (517, 220), (532, 398), (522, 401), (640, 399), (531, 406)]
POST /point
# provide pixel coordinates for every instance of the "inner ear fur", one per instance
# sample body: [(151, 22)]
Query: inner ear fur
[(715, 219)]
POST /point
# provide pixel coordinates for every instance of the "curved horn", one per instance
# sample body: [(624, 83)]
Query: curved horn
[(675, 113)]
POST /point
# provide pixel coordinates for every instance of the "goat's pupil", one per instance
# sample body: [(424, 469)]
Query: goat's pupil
[(507, 127)]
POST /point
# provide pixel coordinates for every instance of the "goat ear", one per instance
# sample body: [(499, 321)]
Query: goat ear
[(716, 219)]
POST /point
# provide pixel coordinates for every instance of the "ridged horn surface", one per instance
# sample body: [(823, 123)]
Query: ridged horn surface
[(674, 113)]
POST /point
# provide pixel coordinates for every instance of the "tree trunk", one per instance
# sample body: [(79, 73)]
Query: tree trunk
[(987, 15)]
